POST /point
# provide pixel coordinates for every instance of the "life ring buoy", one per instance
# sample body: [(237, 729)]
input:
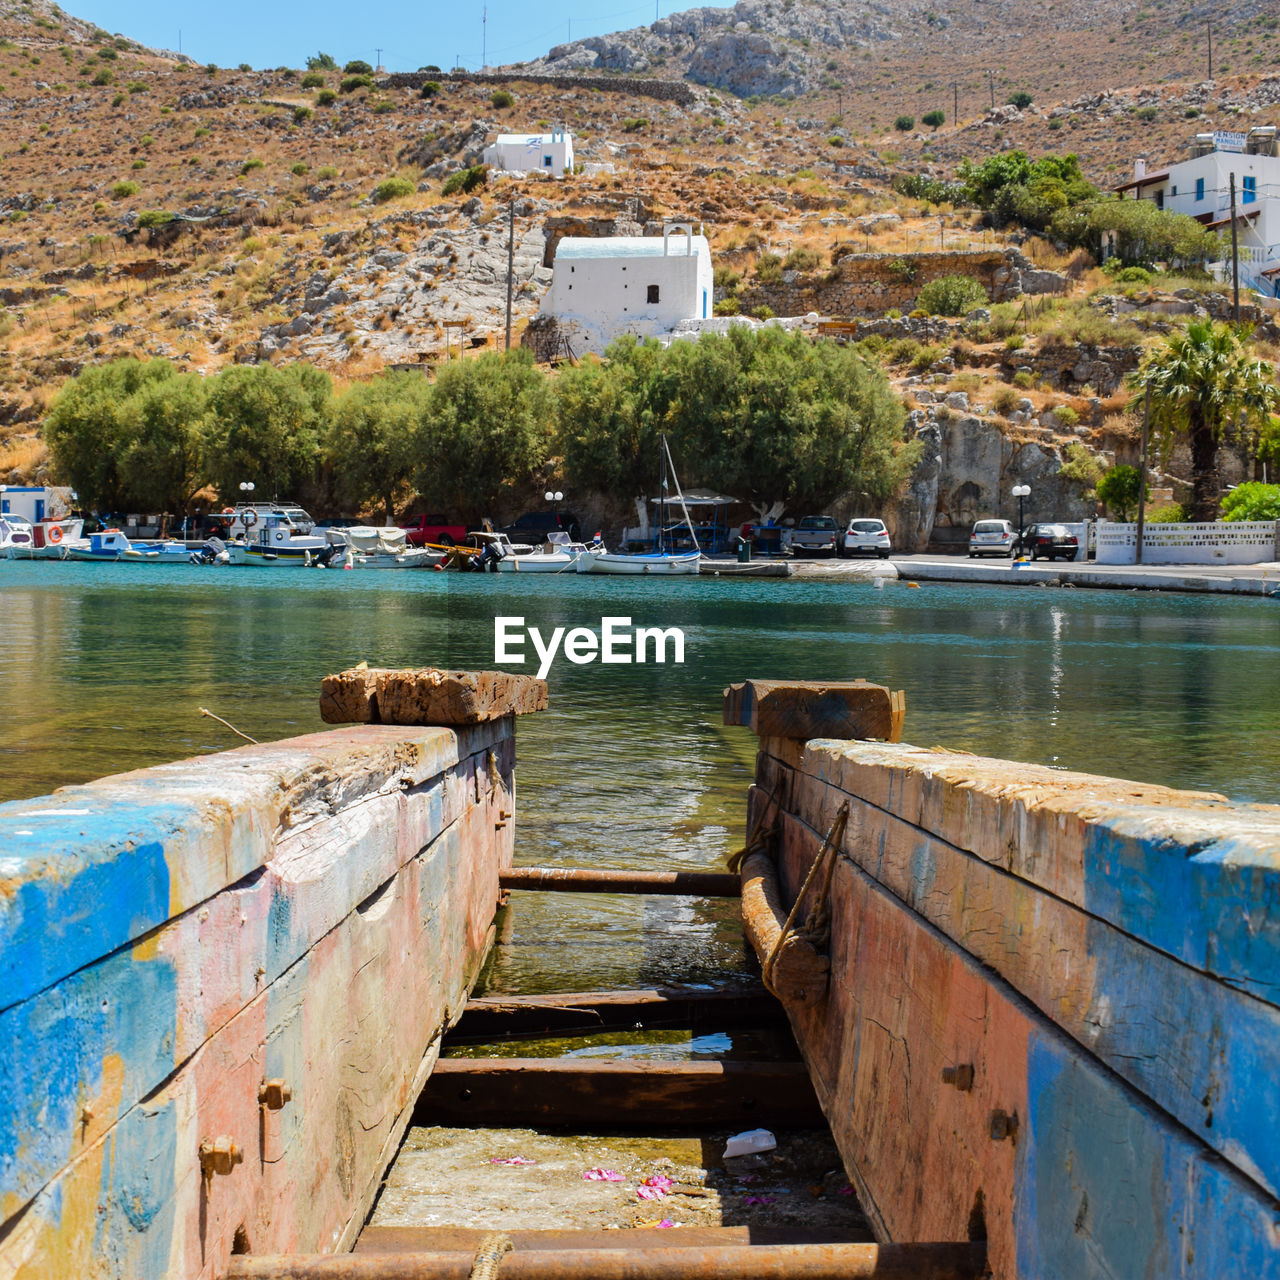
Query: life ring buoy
[(228, 511), (53, 534), (250, 518)]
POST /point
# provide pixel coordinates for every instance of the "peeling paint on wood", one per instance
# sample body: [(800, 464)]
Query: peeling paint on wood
[(312, 911)]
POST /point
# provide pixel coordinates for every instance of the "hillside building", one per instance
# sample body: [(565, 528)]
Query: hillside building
[(607, 286), (1201, 187), (525, 152)]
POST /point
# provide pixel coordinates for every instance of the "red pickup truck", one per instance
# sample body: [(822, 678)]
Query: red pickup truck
[(433, 528)]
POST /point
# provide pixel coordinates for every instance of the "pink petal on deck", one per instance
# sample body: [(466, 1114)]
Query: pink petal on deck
[(658, 1180), (511, 1160), (666, 1222), (646, 1192), (602, 1175)]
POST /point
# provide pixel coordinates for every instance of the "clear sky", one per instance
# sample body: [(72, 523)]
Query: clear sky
[(284, 33)]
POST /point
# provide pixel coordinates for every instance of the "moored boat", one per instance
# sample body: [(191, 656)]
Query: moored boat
[(103, 546), (656, 562), (559, 554), (275, 534), (372, 547)]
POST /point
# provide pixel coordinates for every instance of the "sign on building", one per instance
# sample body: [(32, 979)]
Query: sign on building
[(1228, 140)]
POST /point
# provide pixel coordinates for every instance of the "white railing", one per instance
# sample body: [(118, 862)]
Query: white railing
[(1248, 542)]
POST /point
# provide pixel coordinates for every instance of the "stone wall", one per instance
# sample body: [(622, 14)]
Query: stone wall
[(664, 90), (1071, 367), (869, 284)]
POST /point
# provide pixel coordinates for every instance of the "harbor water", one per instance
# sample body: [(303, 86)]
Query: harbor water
[(104, 668)]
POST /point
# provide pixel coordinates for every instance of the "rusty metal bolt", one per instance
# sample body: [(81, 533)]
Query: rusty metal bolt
[(219, 1156), (1003, 1125), (274, 1094), (961, 1076)]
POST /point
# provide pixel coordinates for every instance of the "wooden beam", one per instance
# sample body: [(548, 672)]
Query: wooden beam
[(386, 1240), (730, 1262), (583, 1011), (697, 884), (630, 1092), (807, 709)]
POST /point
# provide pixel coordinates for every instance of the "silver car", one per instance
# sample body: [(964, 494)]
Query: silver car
[(992, 538)]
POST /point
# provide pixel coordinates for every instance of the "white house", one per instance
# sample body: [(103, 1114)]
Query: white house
[(1201, 187), (607, 286), (35, 502), (523, 152)]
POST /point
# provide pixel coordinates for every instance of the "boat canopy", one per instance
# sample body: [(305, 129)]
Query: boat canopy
[(384, 540)]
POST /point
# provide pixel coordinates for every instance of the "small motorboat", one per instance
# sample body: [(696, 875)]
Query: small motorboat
[(662, 562), (276, 534), (44, 540), (17, 538), (166, 551), (559, 554), (107, 544), (385, 547)]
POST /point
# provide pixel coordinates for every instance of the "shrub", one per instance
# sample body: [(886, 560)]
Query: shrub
[(1147, 113), (1023, 380), (301, 114), (500, 99), (351, 83), (1020, 98), (392, 189), (835, 140), (250, 165), (904, 124), (728, 279), (382, 107), (1171, 514), (1252, 501), (1005, 400), (727, 307), (1065, 416), (1055, 124), (123, 190), (465, 180), (951, 296), (211, 68), (326, 173), (635, 124), (769, 268), (135, 86), (1117, 490), (326, 98), (244, 66), (430, 89), (357, 67), (321, 62), (301, 169), (154, 217), (118, 100), (138, 164), (801, 259), (934, 119), (1015, 342), (201, 133), (313, 80), (103, 77), (764, 312)]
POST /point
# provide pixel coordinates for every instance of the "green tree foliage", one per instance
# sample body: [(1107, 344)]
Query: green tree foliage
[(164, 460), (321, 62), (465, 180), (357, 67), (1204, 384), (312, 80), (904, 124), (486, 432), (1118, 491), (265, 425), (392, 189), (952, 296), (500, 99), (1014, 188), (1252, 501), (371, 440), (767, 415), (351, 83), (934, 119), (95, 423), (1020, 98), (1142, 234)]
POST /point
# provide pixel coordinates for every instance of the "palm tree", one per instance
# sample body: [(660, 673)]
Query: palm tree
[(1203, 384)]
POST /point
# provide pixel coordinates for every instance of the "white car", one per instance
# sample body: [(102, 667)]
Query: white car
[(865, 535), (992, 538)]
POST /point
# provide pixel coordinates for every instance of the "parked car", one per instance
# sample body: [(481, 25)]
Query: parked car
[(433, 528), (992, 538), (533, 527), (865, 535), (1053, 541), (815, 536)]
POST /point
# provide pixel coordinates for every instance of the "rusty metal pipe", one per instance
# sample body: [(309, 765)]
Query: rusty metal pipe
[(741, 1262), (696, 884)]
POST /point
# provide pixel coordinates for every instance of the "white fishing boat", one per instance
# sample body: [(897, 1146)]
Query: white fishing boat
[(17, 538), (106, 545), (276, 534), (370, 547), (167, 551), (663, 559), (44, 540), (559, 554)]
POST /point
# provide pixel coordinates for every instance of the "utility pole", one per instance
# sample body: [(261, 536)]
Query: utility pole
[(840, 102), (991, 84), (1208, 26), (1142, 472), (511, 261), (484, 37), (955, 104), (377, 59), (1235, 257)]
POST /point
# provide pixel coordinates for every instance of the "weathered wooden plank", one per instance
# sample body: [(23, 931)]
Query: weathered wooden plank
[(700, 884), (1189, 873), (631, 1092), (384, 1240), (578, 1011), (805, 709), (1188, 1042), (1068, 1170), (427, 696), (794, 970), (369, 904), (728, 1262), (93, 868)]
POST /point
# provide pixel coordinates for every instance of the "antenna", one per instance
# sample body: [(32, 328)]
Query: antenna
[(377, 53)]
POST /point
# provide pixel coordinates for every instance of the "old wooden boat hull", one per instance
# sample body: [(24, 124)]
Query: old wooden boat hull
[(1051, 1003), (225, 981)]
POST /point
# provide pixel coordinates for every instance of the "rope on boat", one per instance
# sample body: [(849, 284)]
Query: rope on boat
[(204, 711), (484, 1266), (818, 920), (758, 836)]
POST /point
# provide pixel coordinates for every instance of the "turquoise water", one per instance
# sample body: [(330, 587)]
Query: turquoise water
[(104, 668)]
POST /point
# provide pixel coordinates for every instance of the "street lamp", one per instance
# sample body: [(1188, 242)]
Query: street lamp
[(1020, 491), (555, 497)]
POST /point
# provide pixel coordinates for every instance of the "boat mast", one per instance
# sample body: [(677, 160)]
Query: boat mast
[(662, 498), (688, 520)]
